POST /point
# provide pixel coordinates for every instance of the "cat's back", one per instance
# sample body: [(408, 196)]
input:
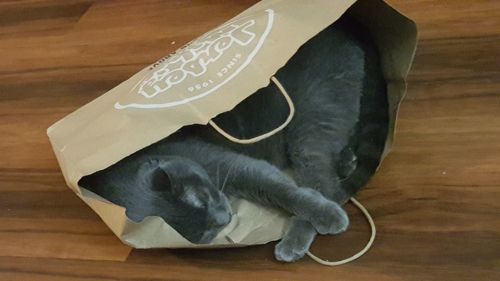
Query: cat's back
[(334, 54), (319, 78)]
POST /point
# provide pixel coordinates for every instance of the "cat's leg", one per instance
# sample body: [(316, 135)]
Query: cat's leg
[(318, 138), (260, 182), (315, 159), (296, 241)]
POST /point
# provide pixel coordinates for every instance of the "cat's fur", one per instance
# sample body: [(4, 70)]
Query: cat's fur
[(333, 145)]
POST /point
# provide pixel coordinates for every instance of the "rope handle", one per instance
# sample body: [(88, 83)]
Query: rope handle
[(281, 127), (268, 134)]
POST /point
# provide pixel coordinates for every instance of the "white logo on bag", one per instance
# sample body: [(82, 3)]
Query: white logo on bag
[(224, 52)]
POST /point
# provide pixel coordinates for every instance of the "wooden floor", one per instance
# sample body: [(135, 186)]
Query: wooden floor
[(436, 199)]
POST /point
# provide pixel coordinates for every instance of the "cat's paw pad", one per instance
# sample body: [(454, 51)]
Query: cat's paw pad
[(330, 219), (289, 250), (347, 164)]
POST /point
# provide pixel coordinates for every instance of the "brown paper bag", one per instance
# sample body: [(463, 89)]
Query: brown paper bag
[(192, 86)]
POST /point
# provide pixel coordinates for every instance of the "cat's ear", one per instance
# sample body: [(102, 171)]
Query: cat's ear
[(161, 181)]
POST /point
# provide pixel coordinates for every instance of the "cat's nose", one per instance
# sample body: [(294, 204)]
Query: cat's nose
[(221, 220), (227, 219)]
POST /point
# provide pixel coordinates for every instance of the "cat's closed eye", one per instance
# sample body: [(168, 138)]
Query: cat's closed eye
[(189, 197)]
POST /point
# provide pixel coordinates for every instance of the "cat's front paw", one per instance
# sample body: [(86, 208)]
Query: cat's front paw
[(290, 249), (296, 241), (329, 218)]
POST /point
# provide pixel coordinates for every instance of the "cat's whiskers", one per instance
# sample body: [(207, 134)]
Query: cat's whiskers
[(227, 176), (217, 175)]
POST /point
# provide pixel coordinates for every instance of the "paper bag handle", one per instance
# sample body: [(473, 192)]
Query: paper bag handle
[(268, 134)]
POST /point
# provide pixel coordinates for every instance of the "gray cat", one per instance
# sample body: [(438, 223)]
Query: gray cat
[(333, 146)]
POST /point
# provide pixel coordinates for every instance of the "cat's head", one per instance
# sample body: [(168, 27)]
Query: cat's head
[(185, 197)]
